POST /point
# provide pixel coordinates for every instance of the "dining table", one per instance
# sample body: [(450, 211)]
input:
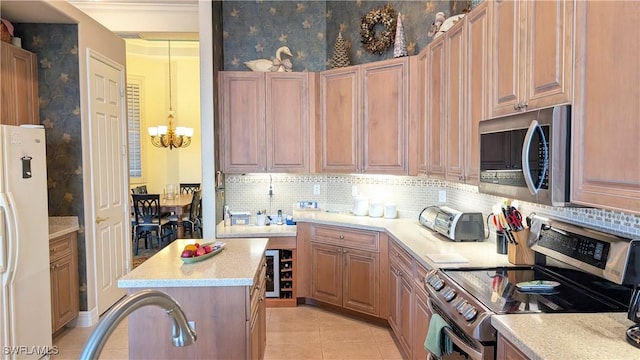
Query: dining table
[(178, 205)]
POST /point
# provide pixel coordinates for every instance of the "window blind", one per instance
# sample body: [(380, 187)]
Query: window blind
[(134, 123)]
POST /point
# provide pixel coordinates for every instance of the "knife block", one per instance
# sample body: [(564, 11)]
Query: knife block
[(520, 254)]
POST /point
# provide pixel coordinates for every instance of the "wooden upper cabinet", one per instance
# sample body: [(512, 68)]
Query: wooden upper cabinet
[(340, 119), (455, 129), (242, 100), (364, 118), (423, 133), (476, 88), (288, 122), (18, 86), (605, 149), (531, 56), (436, 97), (385, 116), (266, 121)]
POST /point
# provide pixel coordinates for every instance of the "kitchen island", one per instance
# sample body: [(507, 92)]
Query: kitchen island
[(222, 296)]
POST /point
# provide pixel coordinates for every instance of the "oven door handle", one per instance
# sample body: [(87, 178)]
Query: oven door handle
[(471, 352), (526, 147)]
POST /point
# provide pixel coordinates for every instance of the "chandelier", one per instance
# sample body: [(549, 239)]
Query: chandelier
[(170, 136)]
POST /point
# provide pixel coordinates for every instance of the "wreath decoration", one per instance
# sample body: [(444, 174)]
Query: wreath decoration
[(378, 43)]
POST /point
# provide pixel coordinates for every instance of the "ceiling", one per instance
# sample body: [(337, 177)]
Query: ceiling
[(23, 12)]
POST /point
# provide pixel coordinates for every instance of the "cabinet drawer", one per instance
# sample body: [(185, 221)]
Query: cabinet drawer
[(352, 238), (401, 258), (60, 247), (256, 291)]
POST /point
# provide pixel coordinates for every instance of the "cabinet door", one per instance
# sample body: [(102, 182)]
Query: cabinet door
[(287, 122), (361, 290), (400, 303), (386, 116), (326, 273), (340, 120), (64, 294), (436, 105), (476, 93), (243, 140), (423, 100), (420, 323), (507, 351), (506, 67), (548, 53), (19, 86), (454, 45), (606, 152)]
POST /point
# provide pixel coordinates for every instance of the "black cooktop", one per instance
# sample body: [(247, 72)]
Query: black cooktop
[(577, 291)]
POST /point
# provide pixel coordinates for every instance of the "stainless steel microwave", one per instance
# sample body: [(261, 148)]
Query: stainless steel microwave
[(527, 156)]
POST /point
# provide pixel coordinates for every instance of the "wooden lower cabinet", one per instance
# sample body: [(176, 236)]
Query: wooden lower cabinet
[(63, 266), (508, 351), (400, 300), (420, 323), (230, 322), (345, 277)]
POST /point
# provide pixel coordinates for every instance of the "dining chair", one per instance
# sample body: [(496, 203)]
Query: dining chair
[(191, 222), (148, 223), (189, 188)]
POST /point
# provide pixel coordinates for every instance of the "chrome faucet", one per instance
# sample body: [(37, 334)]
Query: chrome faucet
[(182, 333)]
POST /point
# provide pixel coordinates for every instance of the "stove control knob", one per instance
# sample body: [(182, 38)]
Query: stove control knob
[(437, 284), (449, 294), (470, 313), (461, 306)]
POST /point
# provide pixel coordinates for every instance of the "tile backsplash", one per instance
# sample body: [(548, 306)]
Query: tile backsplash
[(410, 194)]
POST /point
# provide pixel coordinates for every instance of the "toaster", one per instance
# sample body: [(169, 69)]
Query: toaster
[(453, 224)]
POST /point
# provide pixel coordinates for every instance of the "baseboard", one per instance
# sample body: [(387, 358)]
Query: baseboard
[(85, 319)]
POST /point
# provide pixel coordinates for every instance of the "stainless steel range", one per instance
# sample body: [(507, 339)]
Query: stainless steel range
[(577, 270)]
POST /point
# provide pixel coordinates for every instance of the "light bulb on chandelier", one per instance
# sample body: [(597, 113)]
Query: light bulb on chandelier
[(170, 136)]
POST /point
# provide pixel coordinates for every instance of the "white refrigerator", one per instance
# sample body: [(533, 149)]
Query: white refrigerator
[(25, 296)]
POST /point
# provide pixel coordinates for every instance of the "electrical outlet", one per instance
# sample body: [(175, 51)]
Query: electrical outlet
[(316, 189), (354, 190), (270, 190), (442, 196)]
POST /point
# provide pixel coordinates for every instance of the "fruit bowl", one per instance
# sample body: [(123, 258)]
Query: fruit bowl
[(216, 248)]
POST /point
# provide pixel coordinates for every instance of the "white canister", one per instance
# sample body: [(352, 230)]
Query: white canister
[(360, 206), (376, 209), (390, 211)]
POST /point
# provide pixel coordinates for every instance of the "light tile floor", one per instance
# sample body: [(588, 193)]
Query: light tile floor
[(303, 332)]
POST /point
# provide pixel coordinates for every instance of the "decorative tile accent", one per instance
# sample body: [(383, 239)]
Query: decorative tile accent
[(410, 194)]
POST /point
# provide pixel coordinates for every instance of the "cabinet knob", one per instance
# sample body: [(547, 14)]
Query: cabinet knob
[(400, 273), (341, 237), (516, 106), (525, 105), (339, 250)]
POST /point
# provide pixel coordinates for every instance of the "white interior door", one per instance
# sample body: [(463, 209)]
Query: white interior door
[(109, 179)]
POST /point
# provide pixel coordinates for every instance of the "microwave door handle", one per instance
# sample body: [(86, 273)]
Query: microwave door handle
[(526, 169)]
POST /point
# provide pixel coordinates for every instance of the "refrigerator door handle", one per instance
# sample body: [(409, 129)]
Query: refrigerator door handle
[(7, 232)]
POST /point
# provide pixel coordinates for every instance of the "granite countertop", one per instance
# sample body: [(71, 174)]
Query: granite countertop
[(568, 336), (62, 225), (243, 231), (236, 265), (430, 249)]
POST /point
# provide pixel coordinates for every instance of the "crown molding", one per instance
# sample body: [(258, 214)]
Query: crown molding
[(159, 16)]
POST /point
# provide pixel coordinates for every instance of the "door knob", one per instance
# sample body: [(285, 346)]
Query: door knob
[(101, 219)]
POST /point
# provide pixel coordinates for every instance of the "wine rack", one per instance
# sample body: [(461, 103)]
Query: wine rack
[(287, 277)]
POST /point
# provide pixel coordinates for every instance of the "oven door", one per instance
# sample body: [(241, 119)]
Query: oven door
[(463, 346)]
